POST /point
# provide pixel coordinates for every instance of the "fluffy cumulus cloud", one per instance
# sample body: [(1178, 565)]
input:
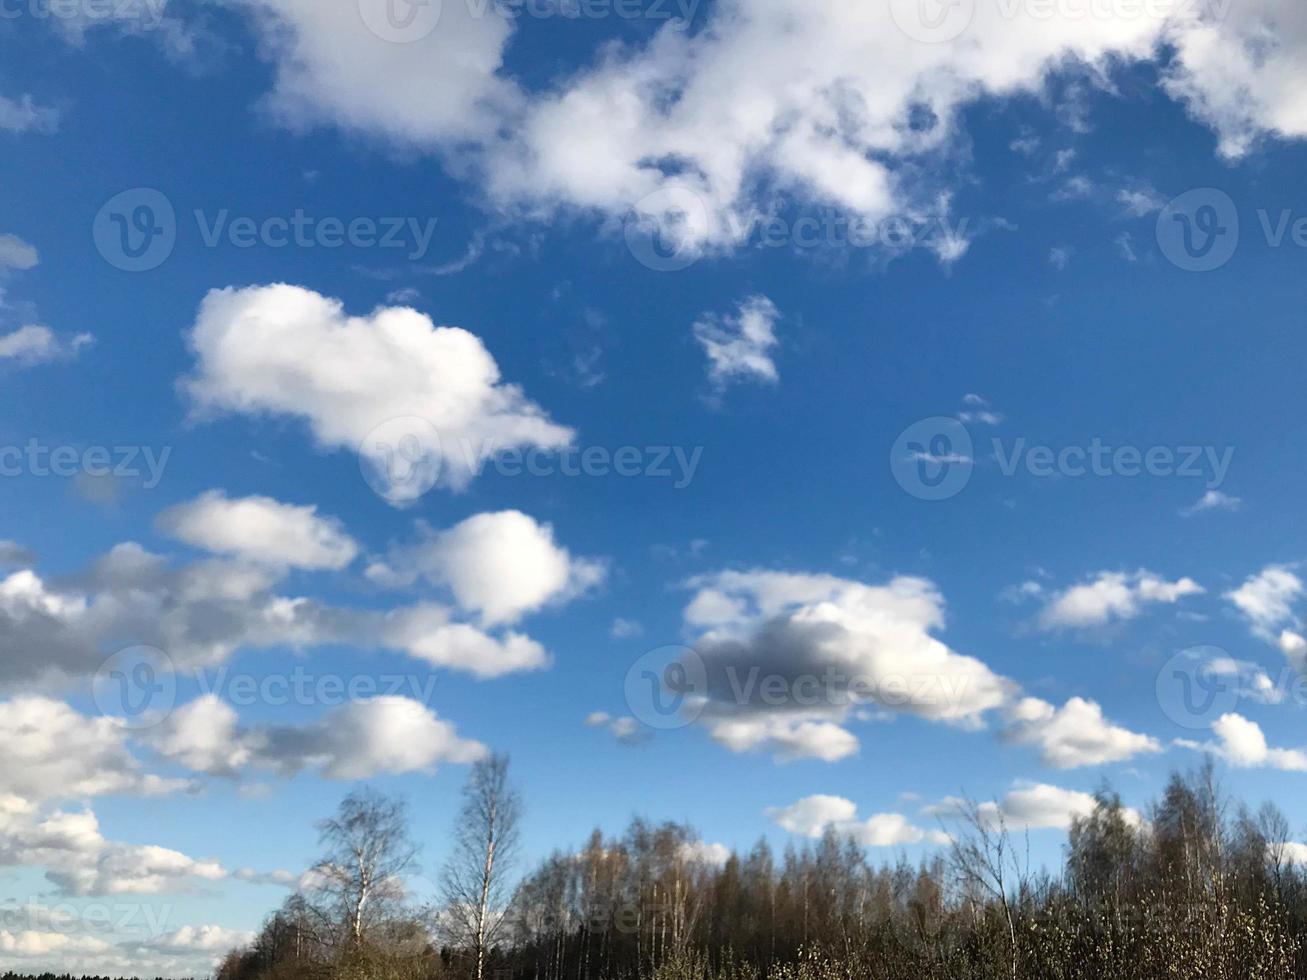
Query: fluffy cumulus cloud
[(17, 254), (1243, 71), (361, 68), (1076, 734), (34, 344), (86, 950), (357, 740), (1110, 597), (260, 529), (499, 565), (624, 728), (1241, 743), (1028, 806), (684, 128), (813, 816), (201, 613), (53, 752), (685, 124), (1210, 501), (787, 657), (365, 376), (79, 860), (1266, 600), (739, 347)]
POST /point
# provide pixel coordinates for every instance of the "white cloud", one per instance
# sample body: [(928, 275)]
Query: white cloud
[(202, 939), (977, 409), (624, 728), (739, 347), (873, 641), (24, 115), (788, 738), (1292, 852), (16, 253), (1242, 73), (623, 629), (1030, 806), (1241, 743), (79, 860), (812, 816), (1074, 735), (260, 529), (357, 740), (499, 565), (367, 738), (702, 852), (53, 752), (202, 736), (1266, 599), (789, 660), (202, 613), (1140, 201), (686, 116), (394, 364), (1040, 805), (1112, 596), (34, 344), (343, 65), (1212, 500), (426, 632)]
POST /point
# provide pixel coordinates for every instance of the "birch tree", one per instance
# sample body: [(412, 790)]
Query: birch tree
[(368, 851), (474, 884)]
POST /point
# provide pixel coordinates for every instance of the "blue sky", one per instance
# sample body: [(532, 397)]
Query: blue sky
[(903, 260)]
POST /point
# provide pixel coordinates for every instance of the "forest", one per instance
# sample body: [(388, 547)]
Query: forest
[(1196, 886)]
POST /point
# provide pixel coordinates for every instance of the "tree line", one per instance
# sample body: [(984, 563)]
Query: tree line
[(1197, 887), (1200, 887)]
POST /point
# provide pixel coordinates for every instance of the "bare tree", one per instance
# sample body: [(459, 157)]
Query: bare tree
[(984, 859), (368, 850), (474, 883)]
